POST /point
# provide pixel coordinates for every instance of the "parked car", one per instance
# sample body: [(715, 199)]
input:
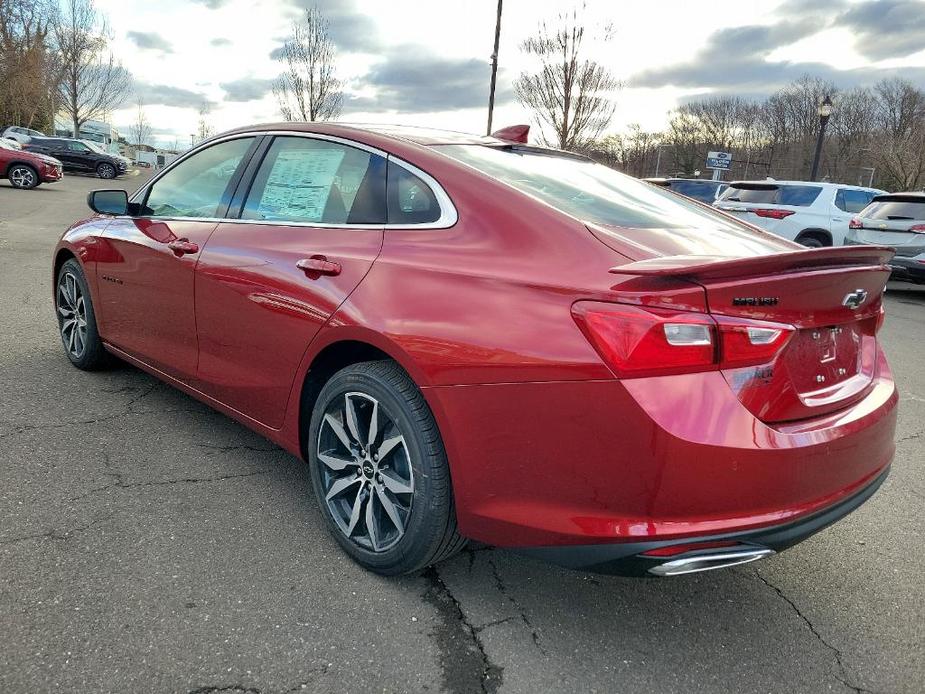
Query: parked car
[(143, 164), (896, 220), (812, 214), (77, 156), (20, 134), (702, 189), (467, 337), (27, 169), (98, 148)]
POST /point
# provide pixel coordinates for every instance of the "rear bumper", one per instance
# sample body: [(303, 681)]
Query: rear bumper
[(908, 269), (613, 463), (624, 559)]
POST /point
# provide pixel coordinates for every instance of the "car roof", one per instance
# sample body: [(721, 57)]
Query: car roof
[(669, 179), (775, 182), (914, 196), (405, 133)]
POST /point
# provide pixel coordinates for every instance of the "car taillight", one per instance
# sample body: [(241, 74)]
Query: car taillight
[(855, 224), (635, 341), (750, 342), (773, 214), (918, 228)]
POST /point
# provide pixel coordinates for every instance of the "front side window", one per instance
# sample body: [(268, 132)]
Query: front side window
[(196, 186), (313, 181)]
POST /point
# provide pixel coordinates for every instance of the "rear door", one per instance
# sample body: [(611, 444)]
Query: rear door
[(147, 262), (848, 203), (310, 226)]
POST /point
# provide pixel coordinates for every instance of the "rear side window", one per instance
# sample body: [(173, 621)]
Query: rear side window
[(196, 186), (317, 181), (895, 210), (794, 195), (852, 201), (411, 201)]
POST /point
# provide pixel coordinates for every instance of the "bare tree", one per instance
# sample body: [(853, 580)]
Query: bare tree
[(569, 93), (309, 90), (204, 127), (140, 130), (29, 69), (93, 82)]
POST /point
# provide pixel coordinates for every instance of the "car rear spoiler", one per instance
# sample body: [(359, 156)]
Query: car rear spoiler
[(724, 267)]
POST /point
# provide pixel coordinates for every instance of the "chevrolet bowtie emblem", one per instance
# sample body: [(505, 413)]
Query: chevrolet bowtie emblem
[(854, 299)]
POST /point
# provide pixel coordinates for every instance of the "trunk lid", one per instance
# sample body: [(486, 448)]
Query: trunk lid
[(832, 299)]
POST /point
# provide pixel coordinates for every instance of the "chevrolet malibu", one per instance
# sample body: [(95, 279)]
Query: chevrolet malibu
[(473, 338)]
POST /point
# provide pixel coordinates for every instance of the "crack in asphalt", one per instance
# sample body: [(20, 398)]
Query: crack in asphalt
[(465, 665), (121, 484), (231, 688), (502, 588), (910, 437), (842, 675), (55, 534)]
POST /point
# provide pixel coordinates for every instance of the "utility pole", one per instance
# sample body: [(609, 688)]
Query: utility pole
[(494, 69)]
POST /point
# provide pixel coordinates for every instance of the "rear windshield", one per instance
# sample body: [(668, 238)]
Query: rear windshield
[(794, 195), (705, 191), (591, 192), (895, 209)]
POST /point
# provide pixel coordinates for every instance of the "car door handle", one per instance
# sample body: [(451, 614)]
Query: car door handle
[(318, 265), (182, 247)]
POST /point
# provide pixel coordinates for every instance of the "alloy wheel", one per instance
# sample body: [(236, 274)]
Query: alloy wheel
[(22, 177), (366, 474), (106, 171), (72, 309)]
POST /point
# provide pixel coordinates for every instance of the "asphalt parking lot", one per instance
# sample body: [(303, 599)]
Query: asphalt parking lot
[(149, 544)]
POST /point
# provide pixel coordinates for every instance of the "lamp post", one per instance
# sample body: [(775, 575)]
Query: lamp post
[(494, 70), (824, 111)]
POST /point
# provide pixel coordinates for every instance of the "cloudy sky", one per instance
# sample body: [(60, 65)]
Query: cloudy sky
[(427, 63)]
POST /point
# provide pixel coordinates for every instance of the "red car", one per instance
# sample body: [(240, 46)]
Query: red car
[(27, 169), (468, 337)]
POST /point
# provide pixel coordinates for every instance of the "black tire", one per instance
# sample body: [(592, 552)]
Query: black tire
[(23, 176), (430, 532), (812, 240), (88, 353), (105, 170)]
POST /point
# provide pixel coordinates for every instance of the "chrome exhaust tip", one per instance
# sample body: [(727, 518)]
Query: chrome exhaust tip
[(708, 562)]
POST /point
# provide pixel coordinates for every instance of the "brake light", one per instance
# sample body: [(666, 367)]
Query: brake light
[(855, 224), (749, 342), (773, 214), (919, 228), (635, 341)]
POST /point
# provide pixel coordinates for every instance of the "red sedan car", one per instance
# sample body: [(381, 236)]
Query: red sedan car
[(468, 337), (27, 169)]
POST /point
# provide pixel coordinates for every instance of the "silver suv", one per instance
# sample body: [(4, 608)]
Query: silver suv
[(897, 220)]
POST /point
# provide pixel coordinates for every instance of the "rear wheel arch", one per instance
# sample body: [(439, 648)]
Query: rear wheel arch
[(328, 361), (820, 235)]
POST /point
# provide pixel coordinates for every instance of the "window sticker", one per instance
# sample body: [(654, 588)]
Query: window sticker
[(299, 184)]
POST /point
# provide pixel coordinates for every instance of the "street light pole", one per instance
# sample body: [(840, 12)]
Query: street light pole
[(824, 110), (494, 70)]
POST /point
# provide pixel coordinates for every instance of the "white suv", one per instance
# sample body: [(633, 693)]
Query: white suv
[(20, 135), (814, 214)]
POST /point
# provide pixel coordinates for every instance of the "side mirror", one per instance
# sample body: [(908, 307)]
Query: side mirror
[(114, 202)]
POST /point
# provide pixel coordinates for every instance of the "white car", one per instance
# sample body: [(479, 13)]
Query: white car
[(814, 214), (20, 135)]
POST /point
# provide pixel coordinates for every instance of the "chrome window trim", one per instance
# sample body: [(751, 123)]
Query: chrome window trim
[(448, 214)]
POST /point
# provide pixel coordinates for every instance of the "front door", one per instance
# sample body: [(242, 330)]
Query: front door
[(146, 271), (310, 228)]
